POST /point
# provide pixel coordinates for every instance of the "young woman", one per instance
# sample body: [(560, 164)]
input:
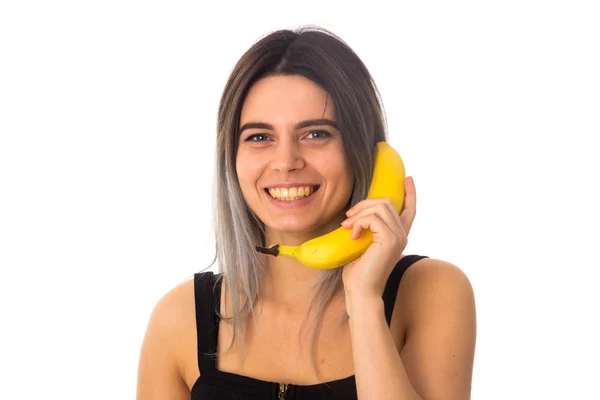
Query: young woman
[(297, 127)]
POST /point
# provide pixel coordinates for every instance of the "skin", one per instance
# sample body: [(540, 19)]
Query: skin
[(286, 155), (426, 353)]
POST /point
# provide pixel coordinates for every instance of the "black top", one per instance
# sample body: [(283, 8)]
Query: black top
[(219, 385)]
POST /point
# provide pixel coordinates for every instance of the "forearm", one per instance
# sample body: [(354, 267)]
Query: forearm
[(379, 370)]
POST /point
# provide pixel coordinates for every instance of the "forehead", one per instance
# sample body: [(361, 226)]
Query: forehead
[(286, 100)]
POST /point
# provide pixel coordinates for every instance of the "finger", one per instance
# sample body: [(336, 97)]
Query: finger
[(372, 223), (384, 210), (361, 205), (375, 203), (395, 215)]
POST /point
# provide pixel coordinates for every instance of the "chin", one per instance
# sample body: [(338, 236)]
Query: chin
[(290, 229), (302, 230)]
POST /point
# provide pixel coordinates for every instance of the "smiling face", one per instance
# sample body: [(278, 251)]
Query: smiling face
[(291, 164)]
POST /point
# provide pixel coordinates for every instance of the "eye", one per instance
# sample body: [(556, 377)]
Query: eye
[(319, 134), (257, 137)]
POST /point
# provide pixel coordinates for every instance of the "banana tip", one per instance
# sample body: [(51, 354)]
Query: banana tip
[(272, 251)]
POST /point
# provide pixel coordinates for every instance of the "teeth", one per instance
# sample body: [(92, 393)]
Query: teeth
[(293, 193)]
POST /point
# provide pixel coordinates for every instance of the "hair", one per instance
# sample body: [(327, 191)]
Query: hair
[(322, 57)]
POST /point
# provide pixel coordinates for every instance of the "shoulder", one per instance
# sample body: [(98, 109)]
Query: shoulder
[(169, 334), (177, 307), (428, 288), (433, 284), (172, 322), (173, 307), (437, 308), (432, 273), (172, 314)]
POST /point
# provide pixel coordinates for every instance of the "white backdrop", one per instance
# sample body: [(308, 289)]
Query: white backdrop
[(107, 133)]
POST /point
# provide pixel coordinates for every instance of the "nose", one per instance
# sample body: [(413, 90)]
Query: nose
[(287, 157)]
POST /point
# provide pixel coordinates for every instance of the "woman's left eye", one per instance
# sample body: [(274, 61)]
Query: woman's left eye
[(319, 134)]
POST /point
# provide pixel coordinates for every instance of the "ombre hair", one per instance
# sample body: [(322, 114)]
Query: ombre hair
[(322, 57)]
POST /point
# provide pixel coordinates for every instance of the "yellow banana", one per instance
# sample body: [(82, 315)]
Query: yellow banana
[(337, 248)]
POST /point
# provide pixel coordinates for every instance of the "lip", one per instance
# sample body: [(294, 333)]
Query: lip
[(289, 185), (291, 203)]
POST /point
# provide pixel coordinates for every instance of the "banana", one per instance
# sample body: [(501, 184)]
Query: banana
[(337, 248)]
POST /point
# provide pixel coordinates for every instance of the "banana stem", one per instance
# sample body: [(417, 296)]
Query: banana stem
[(272, 251)]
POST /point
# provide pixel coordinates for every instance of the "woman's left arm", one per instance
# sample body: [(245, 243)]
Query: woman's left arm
[(436, 360)]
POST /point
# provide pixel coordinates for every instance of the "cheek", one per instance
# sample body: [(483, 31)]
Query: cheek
[(345, 179), (339, 171), (249, 174)]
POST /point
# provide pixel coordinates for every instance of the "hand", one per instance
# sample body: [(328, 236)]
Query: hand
[(368, 275)]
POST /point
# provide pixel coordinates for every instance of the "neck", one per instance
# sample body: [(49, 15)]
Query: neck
[(287, 281)]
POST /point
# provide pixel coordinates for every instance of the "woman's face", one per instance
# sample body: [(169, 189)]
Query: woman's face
[(291, 163)]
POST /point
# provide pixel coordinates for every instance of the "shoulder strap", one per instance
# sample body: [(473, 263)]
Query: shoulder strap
[(393, 283), (207, 298)]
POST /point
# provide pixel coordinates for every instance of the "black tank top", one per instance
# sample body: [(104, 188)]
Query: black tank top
[(219, 385)]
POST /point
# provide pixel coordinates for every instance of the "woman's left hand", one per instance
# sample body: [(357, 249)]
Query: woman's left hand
[(368, 275)]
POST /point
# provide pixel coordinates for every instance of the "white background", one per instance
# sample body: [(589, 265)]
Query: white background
[(107, 134)]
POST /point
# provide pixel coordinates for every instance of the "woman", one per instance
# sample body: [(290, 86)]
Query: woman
[(298, 122)]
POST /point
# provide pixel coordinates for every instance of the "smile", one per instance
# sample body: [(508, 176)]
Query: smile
[(291, 193)]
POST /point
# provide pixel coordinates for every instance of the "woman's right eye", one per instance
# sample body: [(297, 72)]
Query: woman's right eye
[(257, 137)]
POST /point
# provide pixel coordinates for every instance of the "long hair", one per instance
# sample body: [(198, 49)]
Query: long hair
[(320, 56)]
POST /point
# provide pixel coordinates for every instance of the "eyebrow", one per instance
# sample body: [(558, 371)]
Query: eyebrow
[(299, 125)]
